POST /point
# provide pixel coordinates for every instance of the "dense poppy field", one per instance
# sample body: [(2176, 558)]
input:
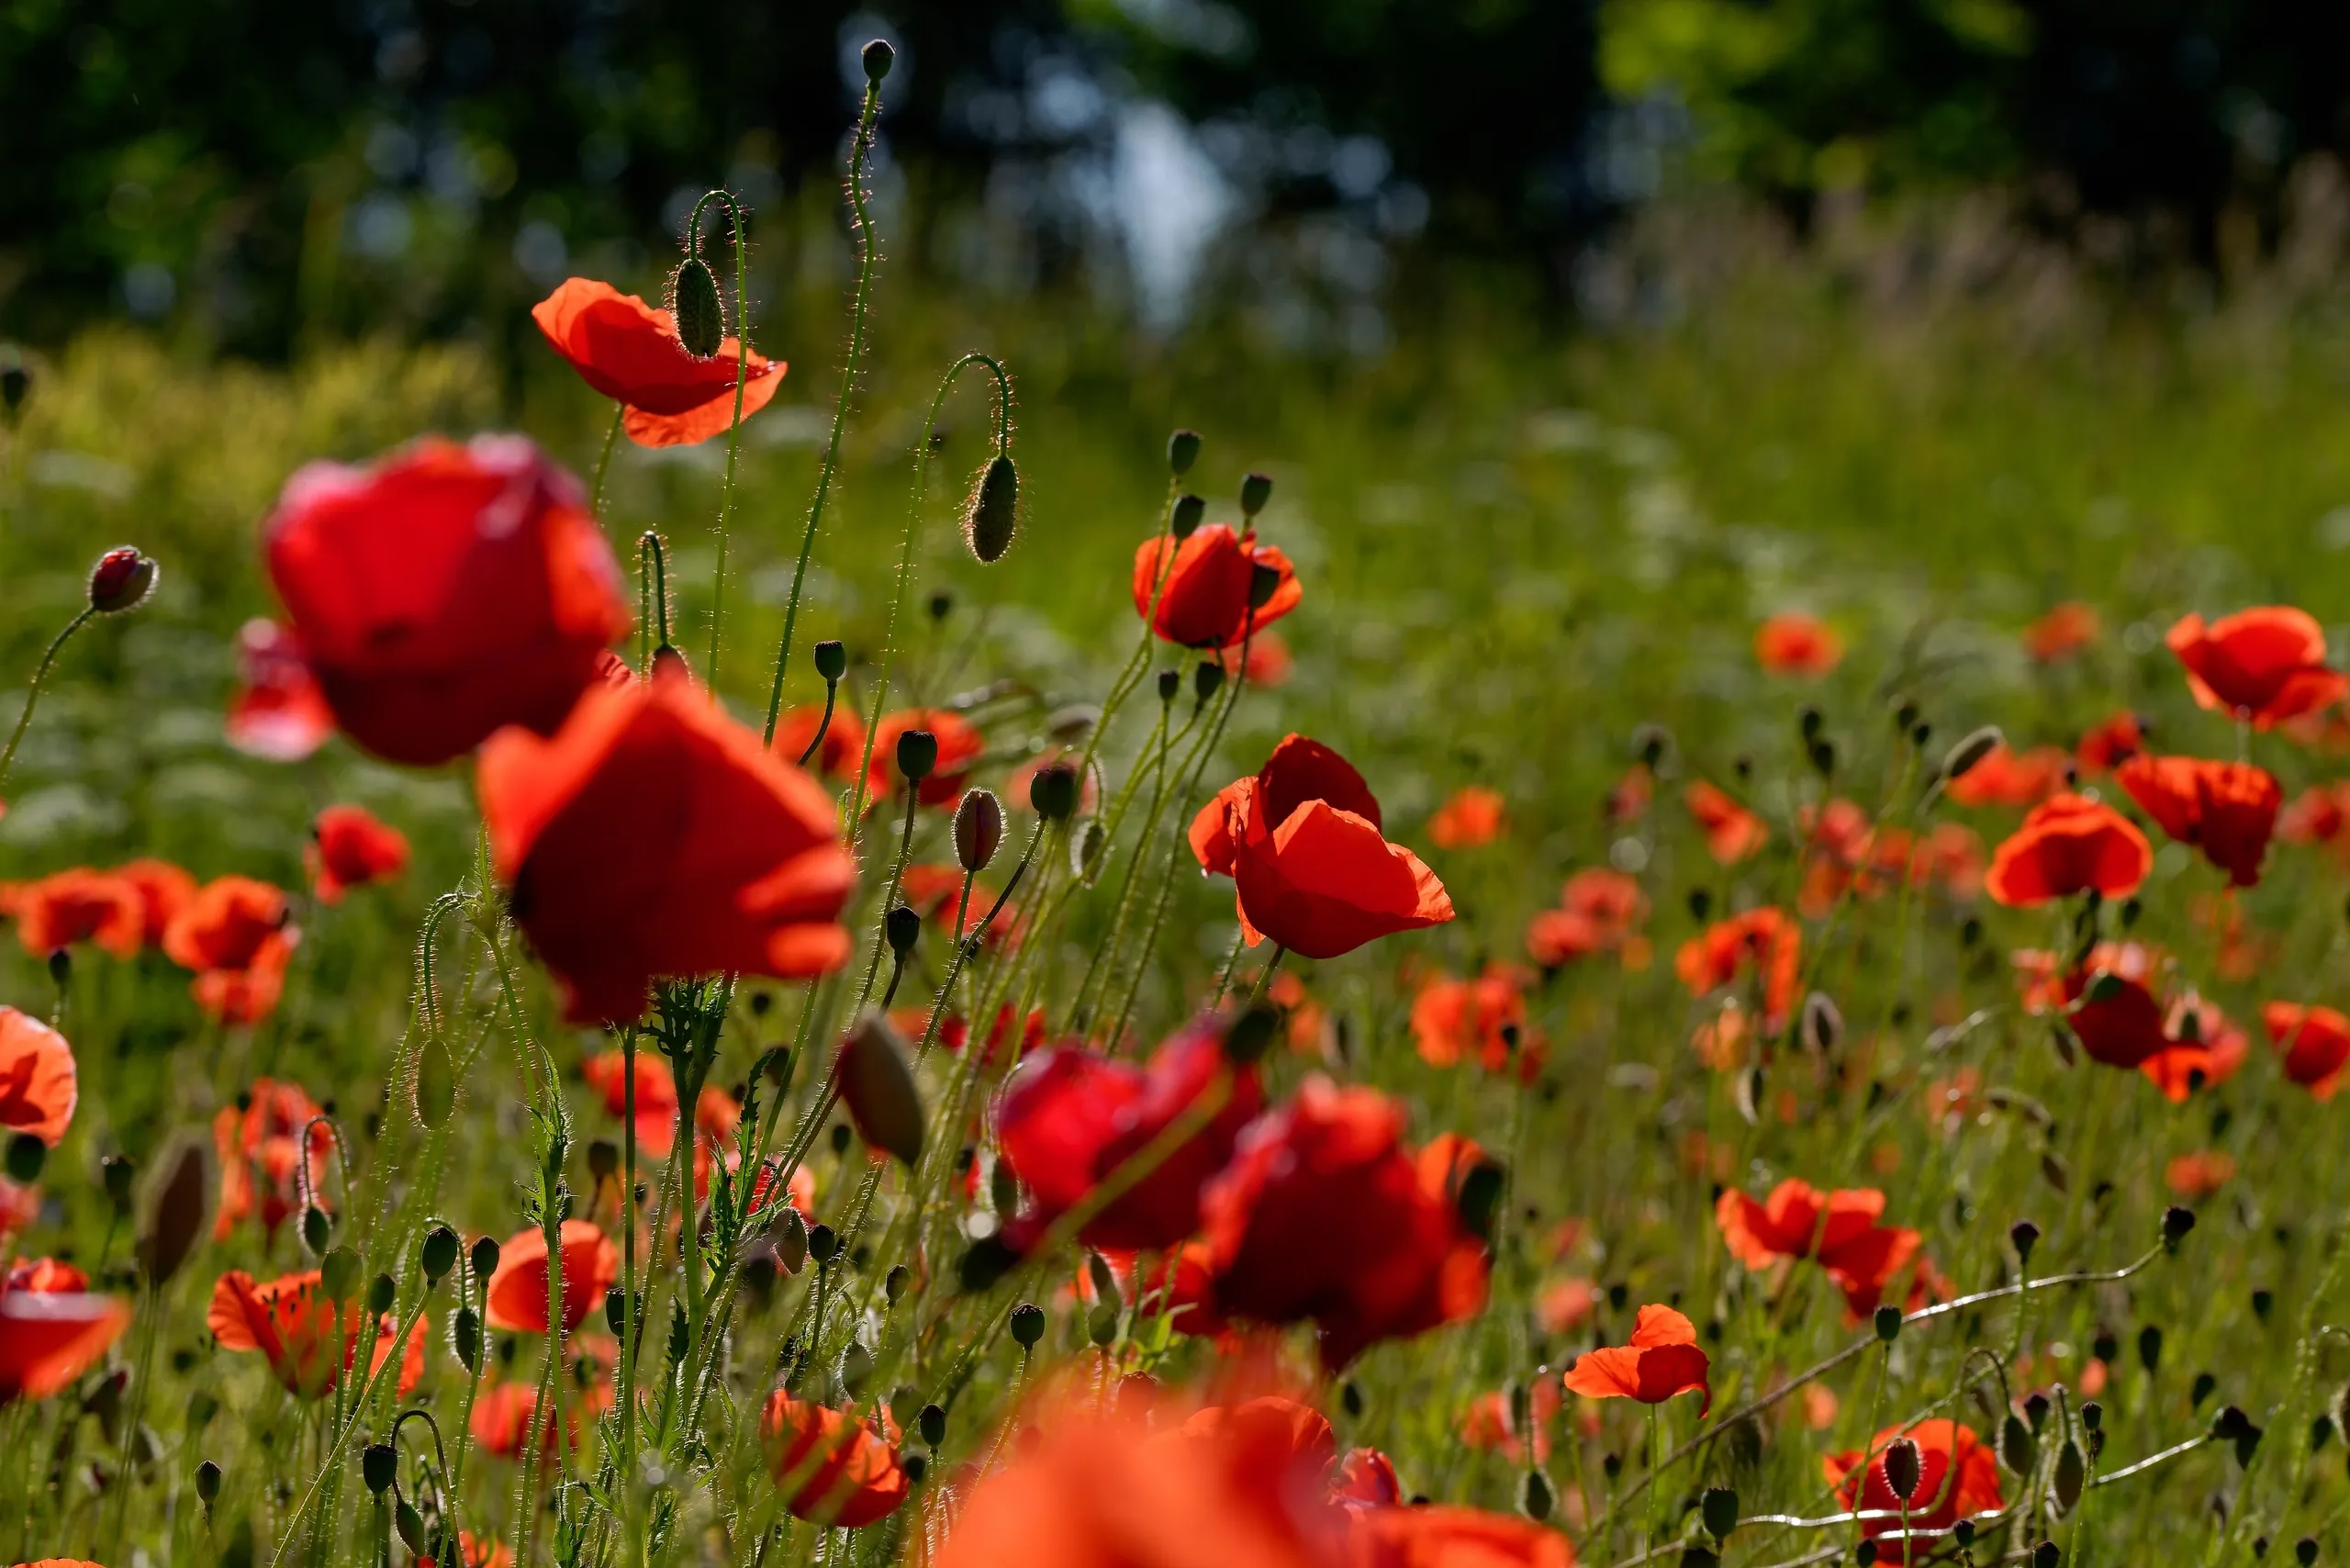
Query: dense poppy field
[(599, 1042)]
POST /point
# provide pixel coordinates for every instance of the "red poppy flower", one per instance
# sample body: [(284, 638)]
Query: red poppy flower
[(51, 1329), (445, 592), (1441, 1536), (831, 1467), (656, 1095), (163, 890), (278, 712), (1365, 1478), (2069, 844), (1069, 1118), (2062, 633), (349, 848), (1839, 1228), (1599, 911), (1957, 1478), (2009, 777), (2320, 814), (2225, 809), (2110, 742), (1797, 644), (517, 1291), (844, 746), (1473, 815), (1205, 603), (629, 351), (2201, 1048), (1732, 833), (1484, 1017), (2109, 1002), (1661, 1360), (38, 1082), (290, 1320), (2314, 1043), (656, 836), (474, 1551), (2195, 1175), (1323, 1214), (959, 746), (227, 924), (261, 1147), (1763, 940), (1302, 842), (1297, 1438), (503, 1412), (1269, 661), (1486, 1425), (2265, 665), (81, 905)]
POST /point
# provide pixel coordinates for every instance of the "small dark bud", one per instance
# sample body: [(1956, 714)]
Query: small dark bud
[(121, 1173), (484, 1258), (1720, 1510), (603, 1159), (2047, 1554), (1255, 491), (61, 968), (1649, 742), (856, 1368), (1920, 735), (917, 755), (1889, 1323), (1249, 1035), (1207, 680), (1903, 1467), (1103, 1279), (824, 1244), (1183, 451), (992, 515), (1970, 749), (1101, 1324), (1170, 681), (1905, 714), (2263, 1303), (931, 1424), (2072, 1474), (1864, 1554), (27, 1155), (465, 1337), (1027, 1324), (1535, 1498), (1823, 756), (894, 1284), (1809, 722), (701, 314), (2200, 1389), (942, 605), (832, 659), (2016, 1447), (2305, 1550), (1263, 583), (377, 1462), (2176, 1223), (380, 1291), (2035, 1410), (1701, 904), (616, 1309), (841, 1136), (1963, 1534), (2023, 1235), (208, 1483), (15, 381), (979, 829), (1185, 520), (121, 581), (315, 1229), (176, 1212), (914, 1466), (903, 928), (1052, 793), (439, 1253), (1478, 1199), (1351, 1399), (878, 57)]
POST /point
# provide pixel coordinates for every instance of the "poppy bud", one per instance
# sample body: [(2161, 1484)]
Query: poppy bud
[(315, 1229), (1920, 734), (176, 1212), (380, 1291), (1479, 1199), (902, 926), (377, 1462), (1189, 513), (2072, 1473), (15, 381), (856, 1369), (878, 57), (410, 1524), (1263, 583), (436, 1083), (1255, 491), (1962, 1533), (465, 1337), (1105, 1281), (1534, 1496), (1903, 1466), (841, 1135), (1823, 1026), (1823, 756), (1207, 680), (832, 659), (931, 1424), (979, 829), (603, 1159), (27, 1155), (1052, 793), (61, 968), (2200, 1390), (208, 1485), (894, 1284), (1864, 1554), (1719, 1509), (1003, 1189), (485, 1256), (1905, 714), (119, 1172), (1027, 1324), (1972, 748), (121, 581), (701, 314), (1809, 722), (993, 512), (2047, 1554), (791, 1241), (1085, 851), (2262, 1302), (917, 755), (439, 1253), (877, 1086), (1889, 1323), (2176, 1223), (824, 1244), (1102, 1325), (1248, 1035), (1701, 904), (2305, 1550), (2016, 1446), (1170, 681), (2024, 1235), (1183, 451), (2035, 1410), (2092, 1416)]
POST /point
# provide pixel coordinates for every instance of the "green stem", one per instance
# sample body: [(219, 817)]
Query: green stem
[(734, 427), (32, 694), (604, 461)]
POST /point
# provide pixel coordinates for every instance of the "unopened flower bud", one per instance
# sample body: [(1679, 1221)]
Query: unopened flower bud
[(377, 1463), (15, 380), (603, 1159), (832, 659), (316, 1228), (484, 1258), (1247, 1038), (208, 1483), (121, 1174), (701, 314), (2047, 1554), (992, 513), (823, 1243), (917, 755), (877, 1085), (439, 1253), (902, 926), (1053, 792), (466, 1336), (878, 57), (1903, 1468), (1189, 511), (61, 967), (1719, 1509), (121, 581), (1183, 451), (1255, 491), (410, 1524), (1535, 1498), (1027, 1324), (2024, 1235), (931, 1424), (1823, 1024), (1263, 583), (1207, 679), (979, 829), (380, 1291), (1971, 749), (27, 1155), (2176, 1223), (1889, 1323), (1170, 681)]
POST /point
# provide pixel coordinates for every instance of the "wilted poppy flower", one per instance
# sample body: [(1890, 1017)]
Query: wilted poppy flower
[(2314, 1043), (2225, 809), (1473, 815), (656, 837), (164, 890), (1957, 1478), (960, 745), (278, 712), (2195, 1175), (1301, 841), (831, 1467), (1762, 941), (844, 746), (51, 1329), (1323, 1214), (1269, 661), (1732, 833), (2006, 776), (656, 1095), (2062, 633), (2110, 741), (517, 1291), (1661, 1360), (1797, 644), (1069, 1118), (261, 1147), (2068, 845), (80, 905), (2264, 665), (629, 351), (1839, 1228), (444, 592), (1205, 603), (1483, 1017), (290, 1321), (38, 1082)]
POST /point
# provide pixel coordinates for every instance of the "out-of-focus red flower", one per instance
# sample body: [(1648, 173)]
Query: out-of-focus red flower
[(1483, 1017), (959, 746), (1565, 1306), (2062, 633), (290, 1321), (2009, 777), (844, 746), (1957, 1478), (1599, 911), (831, 1467), (445, 592), (260, 1150), (2225, 809), (2203, 1050), (517, 1291), (349, 848), (2067, 845), (164, 890), (1473, 815), (1486, 1425), (51, 1329), (1797, 644), (1661, 1360), (38, 1085), (1839, 1228), (1303, 842), (503, 1412), (1069, 1118), (1365, 1478), (629, 351), (80, 905), (474, 1551), (1762, 941), (656, 837), (1269, 661), (2109, 1002), (236, 935), (1322, 1215), (2110, 741), (935, 891), (1951, 853), (1732, 833), (2195, 1175), (2314, 1043), (278, 712), (656, 1095), (2263, 665), (1440, 1536), (2319, 814), (1204, 602), (1629, 800)]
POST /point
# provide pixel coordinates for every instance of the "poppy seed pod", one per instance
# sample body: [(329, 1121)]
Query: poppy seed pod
[(1189, 513), (439, 1253), (993, 512), (1183, 451), (878, 57), (902, 926), (917, 755), (377, 1463), (1970, 749), (121, 581), (694, 302), (1027, 1324), (979, 829), (1719, 1509), (877, 1086), (1889, 1323), (485, 1256), (832, 659), (1903, 1468), (1255, 491), (931, 1424), (1053, 792), (1170, 681), (2024, 1235)]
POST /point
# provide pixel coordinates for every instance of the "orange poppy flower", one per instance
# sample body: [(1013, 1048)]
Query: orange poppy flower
[(476, 1553), (260, 1147), (1302, 842), (1566, 1305), (844, 746), (51, 1329), (503, 1411), (2062, 633), (1599, 912), (1474, 816), (2264, 665), (1269, 661), (38, 1082), (833, 1469), (2068, 844), (654, 835), (629, 351), (349, 848), (2314, 1043), (1839, 1228), (2226, 809), (1205, 603), (1484, 1017), (2110, 742), (960, 746), (1486, 1424), (278, 712), (225, 925), (1661, 1360), (656, 1095), (1797, 644), (2009, 777), (2195, 1175), (1732, 833), (290, 1321), (81, 905), (163, 890), (1957, 1478), (1764, 940), (517, 1291)]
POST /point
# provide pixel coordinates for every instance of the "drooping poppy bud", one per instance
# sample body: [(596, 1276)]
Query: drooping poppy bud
[(979, 829), (1903, 1467), (993, 514), (1972, 748), (877, 1086), (1183, 451), (700, 313), (121, 581), (1086, 846), (315, 1230)]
